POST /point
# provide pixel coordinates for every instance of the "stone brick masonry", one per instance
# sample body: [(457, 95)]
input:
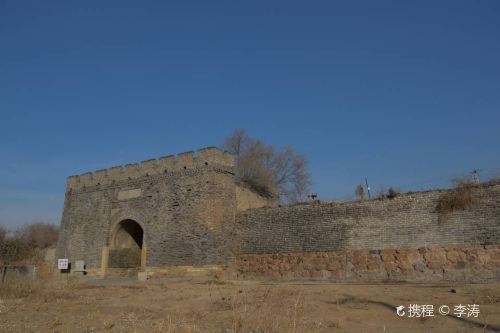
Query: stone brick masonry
[(402, 239), (408, 221), (184, 205), (192, 211), (435, 264)]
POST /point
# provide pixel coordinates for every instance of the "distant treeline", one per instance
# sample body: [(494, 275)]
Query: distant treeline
[(21, 245)]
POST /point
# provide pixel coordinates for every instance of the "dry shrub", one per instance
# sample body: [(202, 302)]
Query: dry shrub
[(15, 250), (392, 192), (3, 233), (40, 235), (27, 243), (461, 197)]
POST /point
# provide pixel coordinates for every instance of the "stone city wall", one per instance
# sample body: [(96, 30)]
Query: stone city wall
[(192, 212), (405, 238), (436, 264)]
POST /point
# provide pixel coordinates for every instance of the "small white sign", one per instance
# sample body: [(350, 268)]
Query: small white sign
[(62, 263)]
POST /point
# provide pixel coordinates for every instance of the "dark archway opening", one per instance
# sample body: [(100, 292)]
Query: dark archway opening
[(126, 245), (128, 235)]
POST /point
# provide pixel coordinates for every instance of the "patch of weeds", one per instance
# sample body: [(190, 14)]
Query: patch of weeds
[(461, 197)]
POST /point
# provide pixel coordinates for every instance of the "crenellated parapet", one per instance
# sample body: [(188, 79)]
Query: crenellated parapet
[(210, 156)]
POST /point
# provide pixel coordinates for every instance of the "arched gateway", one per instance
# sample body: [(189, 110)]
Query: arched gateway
[(126, 249), (128, 234), (183, 206)]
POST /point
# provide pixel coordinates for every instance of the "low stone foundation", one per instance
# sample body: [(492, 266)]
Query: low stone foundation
[(213, 271), (424, 265)]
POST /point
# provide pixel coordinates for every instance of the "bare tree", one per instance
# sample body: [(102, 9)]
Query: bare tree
[(275, 171), (13, 250), (3, 233), (40, 235)]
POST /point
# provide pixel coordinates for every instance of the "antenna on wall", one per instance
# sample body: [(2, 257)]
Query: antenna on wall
[(367, 188), (475, 176)]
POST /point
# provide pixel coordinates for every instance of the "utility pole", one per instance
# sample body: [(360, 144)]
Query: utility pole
[(367, 188)]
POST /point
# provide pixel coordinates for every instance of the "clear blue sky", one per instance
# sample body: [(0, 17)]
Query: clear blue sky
[(406, 93)]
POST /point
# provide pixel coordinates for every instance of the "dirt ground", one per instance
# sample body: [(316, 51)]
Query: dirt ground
[(207, 305)]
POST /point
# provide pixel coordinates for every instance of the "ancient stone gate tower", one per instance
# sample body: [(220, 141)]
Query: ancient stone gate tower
[(178, 210), (192, 211)]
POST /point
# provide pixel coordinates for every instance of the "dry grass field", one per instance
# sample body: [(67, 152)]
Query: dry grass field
[(208, 305)]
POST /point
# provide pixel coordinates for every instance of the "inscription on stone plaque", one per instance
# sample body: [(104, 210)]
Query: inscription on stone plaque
[(129, 194)]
